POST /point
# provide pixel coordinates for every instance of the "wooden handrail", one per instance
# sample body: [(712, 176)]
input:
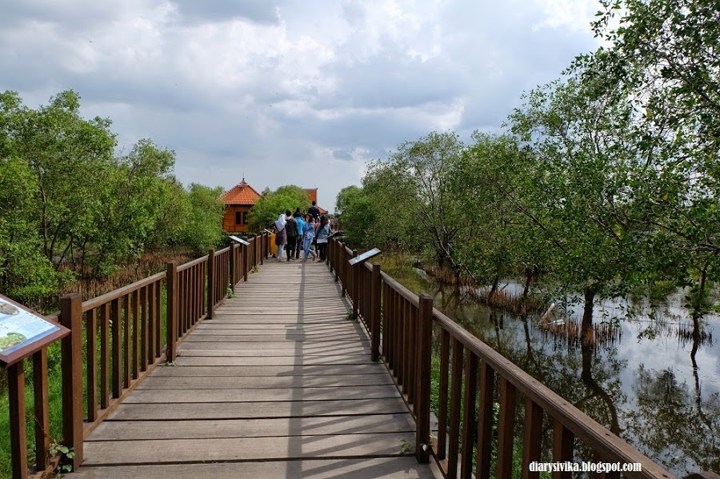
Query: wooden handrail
[(117, 293), (124, 326), (192, 263), (469, 371)]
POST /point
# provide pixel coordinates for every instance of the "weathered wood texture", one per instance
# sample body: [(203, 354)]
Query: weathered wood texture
[(278, 384)]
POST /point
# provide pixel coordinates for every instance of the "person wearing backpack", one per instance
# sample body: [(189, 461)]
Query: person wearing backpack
[(292, 235), (314, 212)]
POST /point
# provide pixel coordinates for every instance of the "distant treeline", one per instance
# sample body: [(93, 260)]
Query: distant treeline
[(71, 207), (604, 181)]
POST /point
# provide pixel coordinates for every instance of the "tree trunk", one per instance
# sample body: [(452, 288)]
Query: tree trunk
[(526, 286), (586, 329), (526, 292), (589, 381), (494, 288)]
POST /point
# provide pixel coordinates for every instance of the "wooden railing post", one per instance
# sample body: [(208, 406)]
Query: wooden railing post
[(263, 247), (233, 279), (42, 413), (172, 312), (258, 249), (562, 449), (376, 305), (336, 258), (18, 433), (210, 283), (424, 365), (72, 370), (355, 272), (531, 431), (115, 308), (246, 262)]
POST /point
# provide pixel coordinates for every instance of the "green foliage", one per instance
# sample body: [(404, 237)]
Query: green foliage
[(606, 182), (500, 238), (203, 229), (272, 203), (72, 161), (663, 54), (172, 216), (135, 204), (405, 200), (66, 455), (70, 208), (25, 272), (586, 155), (356, 215)]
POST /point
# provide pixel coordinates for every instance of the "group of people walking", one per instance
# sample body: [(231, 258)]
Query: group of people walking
[(295, 231)]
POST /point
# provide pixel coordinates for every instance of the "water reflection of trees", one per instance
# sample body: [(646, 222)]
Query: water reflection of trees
[(669, 419), (576, 372), (675, 422)]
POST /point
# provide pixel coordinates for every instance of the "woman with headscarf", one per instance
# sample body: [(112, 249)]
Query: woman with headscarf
[(280, 235)]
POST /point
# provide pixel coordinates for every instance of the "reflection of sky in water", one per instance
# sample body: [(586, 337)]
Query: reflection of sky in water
[(666, 351), (663, 350), (656, 353)]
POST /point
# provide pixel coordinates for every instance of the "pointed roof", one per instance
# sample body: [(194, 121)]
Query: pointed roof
[(241, 194)]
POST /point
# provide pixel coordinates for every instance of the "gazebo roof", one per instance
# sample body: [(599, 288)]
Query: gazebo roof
[(241, 194)]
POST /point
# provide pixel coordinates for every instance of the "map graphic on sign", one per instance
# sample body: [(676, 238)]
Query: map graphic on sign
[(19, 327)]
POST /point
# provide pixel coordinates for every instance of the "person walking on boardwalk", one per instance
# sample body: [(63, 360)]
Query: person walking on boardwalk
[(280, 235), (308, 237), (314, 212), (301, 232), (322, 236), (292, 235)]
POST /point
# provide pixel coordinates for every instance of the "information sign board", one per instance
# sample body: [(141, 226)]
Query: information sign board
[(239, 240), (365, 256), (23, 331)]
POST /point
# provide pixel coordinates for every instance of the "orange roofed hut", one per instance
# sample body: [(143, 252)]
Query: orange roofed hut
[(238, 201)]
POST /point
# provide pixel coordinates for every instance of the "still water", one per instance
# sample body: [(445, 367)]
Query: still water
[(642, 382)]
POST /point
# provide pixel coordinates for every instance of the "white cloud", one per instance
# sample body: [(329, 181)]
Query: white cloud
[(259, 87), (574, 15)]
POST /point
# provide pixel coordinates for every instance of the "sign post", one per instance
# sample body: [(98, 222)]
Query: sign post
[(23, 332)]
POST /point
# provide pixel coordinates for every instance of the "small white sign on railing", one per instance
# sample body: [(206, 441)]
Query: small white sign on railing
[(239, 240), (365, 256)]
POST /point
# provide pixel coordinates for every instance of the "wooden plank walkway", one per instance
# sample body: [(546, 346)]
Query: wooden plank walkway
[(278, 384)]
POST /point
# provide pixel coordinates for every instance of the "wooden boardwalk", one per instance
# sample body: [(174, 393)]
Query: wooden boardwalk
[(278, 384)]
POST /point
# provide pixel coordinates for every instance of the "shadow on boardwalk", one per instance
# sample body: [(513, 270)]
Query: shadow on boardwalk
[(278, 384)]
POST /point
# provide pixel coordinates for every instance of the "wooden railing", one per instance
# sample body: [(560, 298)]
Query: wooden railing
[(474, 380), (116, 339)]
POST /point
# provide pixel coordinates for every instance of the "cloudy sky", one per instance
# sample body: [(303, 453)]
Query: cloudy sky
[(301, 92)]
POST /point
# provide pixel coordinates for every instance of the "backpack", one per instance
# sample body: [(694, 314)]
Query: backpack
[(292, 228)]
